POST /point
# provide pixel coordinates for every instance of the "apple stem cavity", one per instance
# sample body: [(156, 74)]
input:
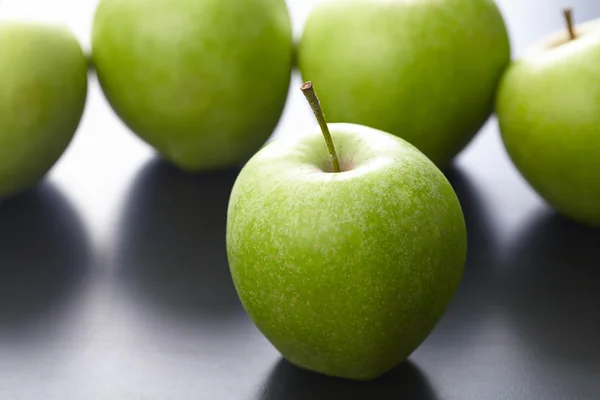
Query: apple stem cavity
[(313, 100), (568, 13)]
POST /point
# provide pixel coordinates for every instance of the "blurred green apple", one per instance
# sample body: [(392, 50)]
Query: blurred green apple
[(346, 273), (43, 90), (425, 70), (183, 74), (549, 116)]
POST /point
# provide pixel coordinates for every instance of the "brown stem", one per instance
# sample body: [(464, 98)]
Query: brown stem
[(313, 100), (568, 13)]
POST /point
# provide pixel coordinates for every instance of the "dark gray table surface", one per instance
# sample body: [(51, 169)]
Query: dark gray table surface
[(114, 283)]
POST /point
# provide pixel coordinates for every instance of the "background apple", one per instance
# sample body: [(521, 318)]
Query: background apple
[(346, 273), (43, 90), (425, 70), (550, 122), (183, 74)]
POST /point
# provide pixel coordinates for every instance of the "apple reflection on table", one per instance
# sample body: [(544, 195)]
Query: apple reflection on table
[(287, 382), (170, 254), (549, 290), (44, 263)]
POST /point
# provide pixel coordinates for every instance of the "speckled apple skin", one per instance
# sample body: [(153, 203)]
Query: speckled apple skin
[(345, 273), (549, 117), (424, 70), (43, 90), (202, 81)]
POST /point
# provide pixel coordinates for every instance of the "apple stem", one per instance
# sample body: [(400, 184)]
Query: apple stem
[(568, 13), (313, 100)]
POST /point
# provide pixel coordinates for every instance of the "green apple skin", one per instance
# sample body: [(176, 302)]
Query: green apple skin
[(203, 82), (43, 91), (424, 70), (548, 115), (345, 273)]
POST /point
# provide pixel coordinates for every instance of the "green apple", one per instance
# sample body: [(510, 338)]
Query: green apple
[(183, 74), (345, 273), (425, 70), (43, 90), (549, 119)]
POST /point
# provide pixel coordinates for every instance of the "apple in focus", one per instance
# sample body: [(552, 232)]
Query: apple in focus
[(345, 273), (183, 74), (43, 90), (425, 70), (549, 118)]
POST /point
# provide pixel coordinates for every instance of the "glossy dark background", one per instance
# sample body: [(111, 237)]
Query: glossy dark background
[(114, 283)]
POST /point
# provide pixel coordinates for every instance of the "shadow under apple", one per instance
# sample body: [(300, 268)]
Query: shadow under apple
[(550, 289), (475, 295), (44, 259), (287, 382), (171, 253)]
